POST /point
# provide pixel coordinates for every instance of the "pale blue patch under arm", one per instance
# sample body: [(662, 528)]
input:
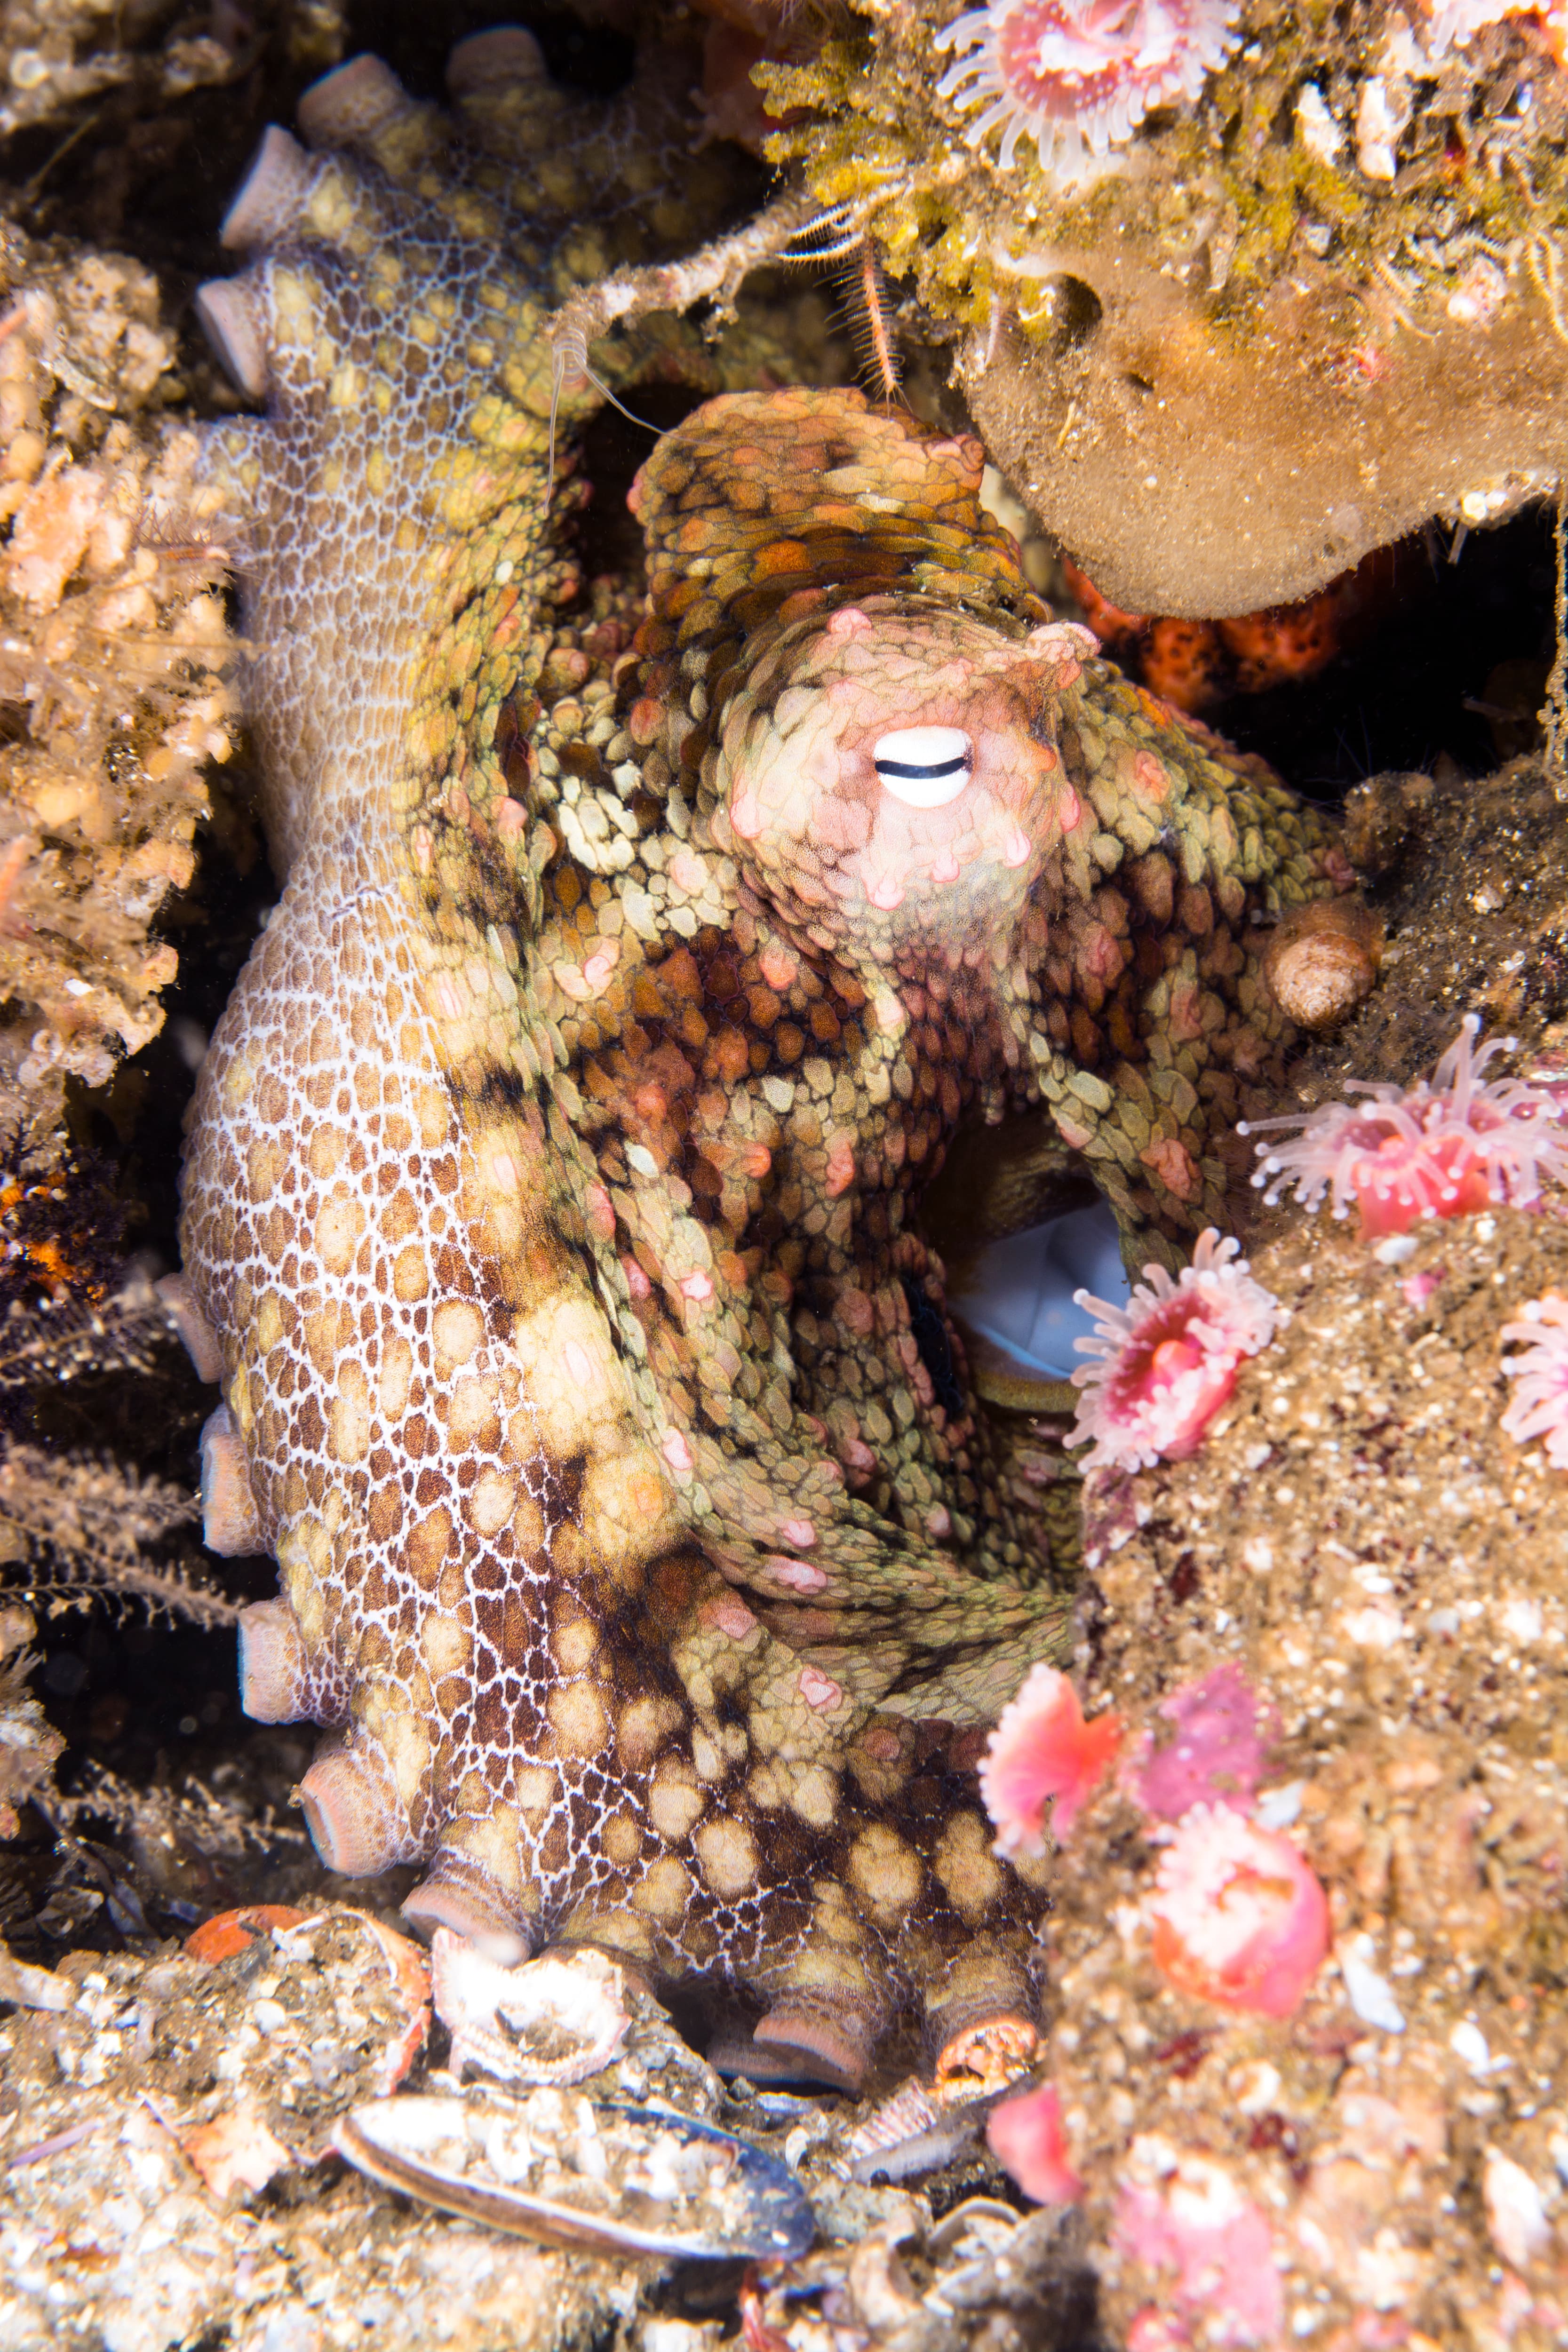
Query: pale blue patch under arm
[(1019, 1292)]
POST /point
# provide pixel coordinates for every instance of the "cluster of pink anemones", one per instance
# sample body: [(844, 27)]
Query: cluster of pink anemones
[(1540, 1404), (1078, 75), (1443, 1148), (1237, 1916), (1168, 1359), (1213, 2247)]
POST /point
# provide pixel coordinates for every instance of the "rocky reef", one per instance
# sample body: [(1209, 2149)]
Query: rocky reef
[(1310, 299), (1208, 1705), (1339, 1622)]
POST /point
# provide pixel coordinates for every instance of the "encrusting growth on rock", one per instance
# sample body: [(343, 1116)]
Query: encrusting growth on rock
[(1305, 1954), (1238, 294), (113, 659)]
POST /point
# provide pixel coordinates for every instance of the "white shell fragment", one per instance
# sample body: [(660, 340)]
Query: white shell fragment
[(924, 766), (1318, 132), (1370, 1993), (1516, 2217), (1381, 114), (556, 2019), (31, 1987), (611, 2179), (906, 2135)]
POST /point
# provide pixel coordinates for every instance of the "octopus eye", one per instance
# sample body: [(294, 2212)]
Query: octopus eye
[(926, 766)]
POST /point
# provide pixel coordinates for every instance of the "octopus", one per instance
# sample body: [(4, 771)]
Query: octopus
[(553, 1196)]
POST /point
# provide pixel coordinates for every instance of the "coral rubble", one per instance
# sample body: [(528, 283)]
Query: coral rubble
[(155, 2098), (57, 54), (30, 1747)]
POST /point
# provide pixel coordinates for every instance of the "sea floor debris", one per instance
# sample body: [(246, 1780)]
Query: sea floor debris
[(172, 2127)]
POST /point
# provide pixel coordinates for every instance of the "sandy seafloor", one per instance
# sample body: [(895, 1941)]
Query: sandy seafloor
[(1357, 1540)]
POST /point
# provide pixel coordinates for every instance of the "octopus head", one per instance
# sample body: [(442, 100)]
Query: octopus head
[(889, 777)]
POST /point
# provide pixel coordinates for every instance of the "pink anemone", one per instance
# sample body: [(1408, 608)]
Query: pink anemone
[(1239, 1917), (1169, 1358), (1043, 1752), (1216, 1753), (1078, 75), (1454, 24), (1539, 1404), (1026, 2139), (1214, 2247), (1443, 1148)]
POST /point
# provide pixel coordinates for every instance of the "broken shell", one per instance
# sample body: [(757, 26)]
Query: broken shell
[(236, 2150), (905, 2136), (878, 2288), (610, 2180), (555, 2019), (229, 1932), (1322, 960), (985, 2221)]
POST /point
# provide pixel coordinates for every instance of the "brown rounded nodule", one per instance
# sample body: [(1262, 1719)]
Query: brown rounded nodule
[(1322, 961)]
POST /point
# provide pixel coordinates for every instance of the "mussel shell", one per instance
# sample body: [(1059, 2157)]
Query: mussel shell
[(779, 2225)]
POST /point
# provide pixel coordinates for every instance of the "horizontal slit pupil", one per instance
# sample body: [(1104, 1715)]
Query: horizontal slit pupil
[(909, 768)]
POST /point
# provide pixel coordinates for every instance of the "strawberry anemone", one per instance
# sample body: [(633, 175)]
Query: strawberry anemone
[(1168, 1359), (1078, 75), (1043, 1753), (1539, 1407), (1239, 1917), (1446, 1147)]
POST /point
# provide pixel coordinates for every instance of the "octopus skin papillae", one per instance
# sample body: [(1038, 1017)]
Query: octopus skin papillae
[(552, 1187)]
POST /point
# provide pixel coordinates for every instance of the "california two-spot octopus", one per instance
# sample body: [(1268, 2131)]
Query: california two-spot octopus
[(550, 1187)]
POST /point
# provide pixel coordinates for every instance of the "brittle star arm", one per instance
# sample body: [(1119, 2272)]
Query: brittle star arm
[(713, 271)]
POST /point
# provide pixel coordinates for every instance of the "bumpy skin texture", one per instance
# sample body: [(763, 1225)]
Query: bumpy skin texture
[(551, 1178)]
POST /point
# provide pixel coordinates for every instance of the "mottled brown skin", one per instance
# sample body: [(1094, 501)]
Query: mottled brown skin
[(553, 1179)]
